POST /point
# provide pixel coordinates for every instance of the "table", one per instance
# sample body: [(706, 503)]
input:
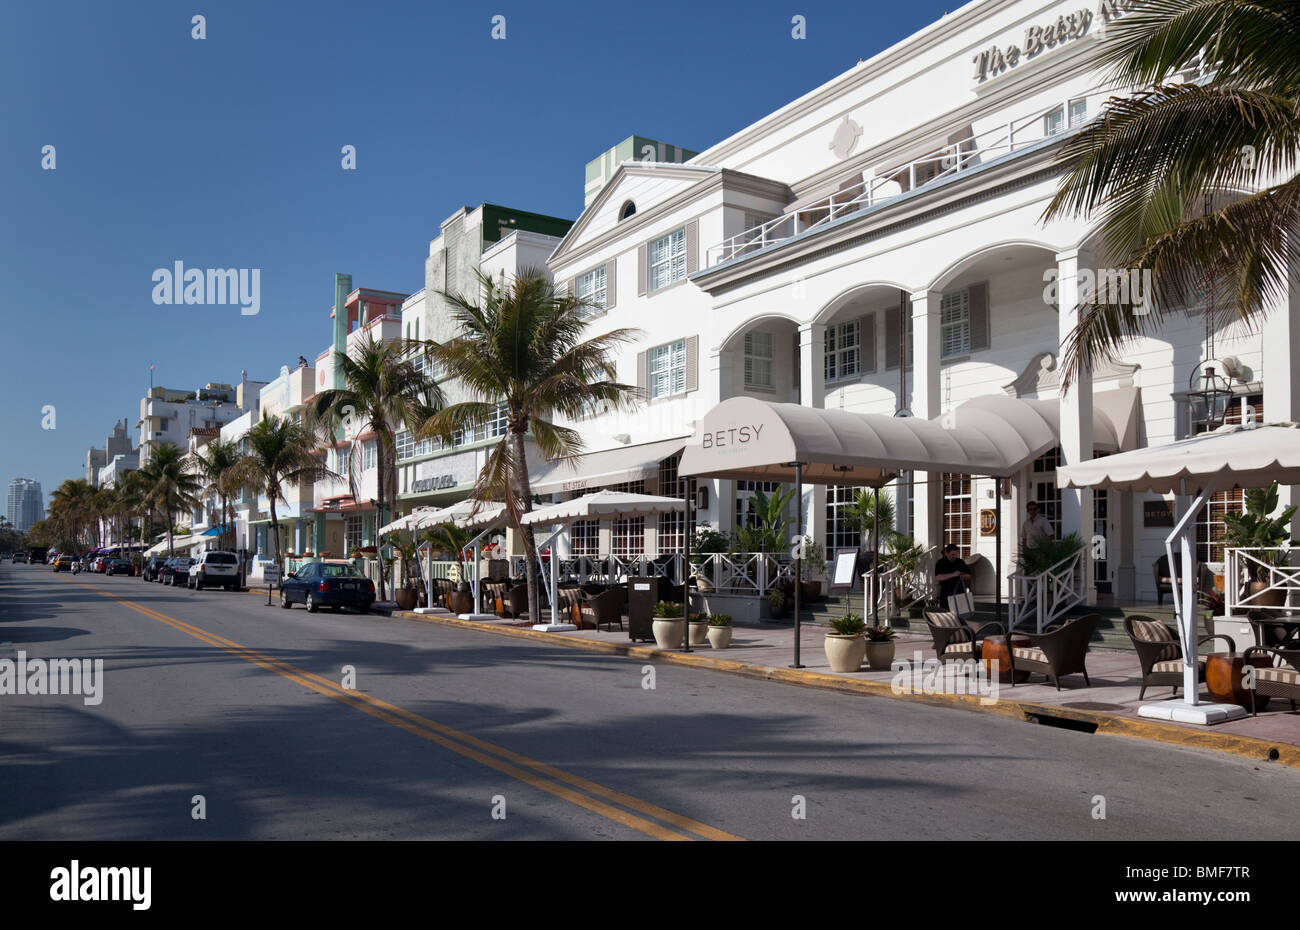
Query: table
[(994, 648), (1223, 672), (1287, 624)]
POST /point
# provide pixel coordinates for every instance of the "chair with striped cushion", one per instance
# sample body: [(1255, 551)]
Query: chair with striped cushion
[(1280, 679), (1061, 649), (1160, 654), (954, 638)]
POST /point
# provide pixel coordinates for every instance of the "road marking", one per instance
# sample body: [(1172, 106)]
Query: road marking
[(545, 777)]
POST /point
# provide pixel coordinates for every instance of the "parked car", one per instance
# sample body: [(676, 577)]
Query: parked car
[(328, 584), (176, 571), (63, 563), (20, 557), (151, 568), (214, 568), (118, 567)]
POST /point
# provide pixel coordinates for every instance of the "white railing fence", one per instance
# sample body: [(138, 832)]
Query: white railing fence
[(1047, 596), (1281, 577)]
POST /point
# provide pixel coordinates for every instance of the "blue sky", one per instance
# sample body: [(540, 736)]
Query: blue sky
[(225, 153)]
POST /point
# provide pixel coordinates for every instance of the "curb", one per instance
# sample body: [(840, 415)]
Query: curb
[(1245, 746)]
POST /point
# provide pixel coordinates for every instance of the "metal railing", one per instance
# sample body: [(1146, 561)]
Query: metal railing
[(1048, 595), (1281, 579), (898, 589)]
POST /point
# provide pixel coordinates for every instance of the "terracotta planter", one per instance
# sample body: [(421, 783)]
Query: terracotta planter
[(719, 637), (845, 653), (810, 591), (1268, 598), (669, 633), (462, 602), (880, 654), (406, 598), (699, 632)]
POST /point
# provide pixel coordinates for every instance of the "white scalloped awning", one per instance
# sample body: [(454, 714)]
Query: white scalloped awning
[(603, 504), (600, 469)]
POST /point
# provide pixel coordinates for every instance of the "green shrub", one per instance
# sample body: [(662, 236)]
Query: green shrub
[(720, 620), (667, 610), (848, 625), (880, 634), (1038, 557)]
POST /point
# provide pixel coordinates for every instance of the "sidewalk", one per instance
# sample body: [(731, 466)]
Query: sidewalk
[(1110, 704)]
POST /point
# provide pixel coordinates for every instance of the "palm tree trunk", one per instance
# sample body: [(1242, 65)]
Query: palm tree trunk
[(379, 515), (530, 541), (275, 530)]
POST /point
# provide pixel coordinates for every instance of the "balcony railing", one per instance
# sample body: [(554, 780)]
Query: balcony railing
[(1047, 596), (1273, 567)]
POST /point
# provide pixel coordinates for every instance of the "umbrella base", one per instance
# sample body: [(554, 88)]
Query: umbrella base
[(553, 627), (1180, 711), (432, 610), (478, 616)]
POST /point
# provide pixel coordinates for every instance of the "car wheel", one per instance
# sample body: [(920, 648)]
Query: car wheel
[(198, 584), (284, 599), (312, 606)]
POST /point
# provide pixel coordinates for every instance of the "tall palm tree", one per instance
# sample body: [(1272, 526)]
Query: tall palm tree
[(216, 464), (72, 509), (173, 486), (382, 390), (520, 351), (131, 494), (1165, 169), (861, 512), (279, 452)]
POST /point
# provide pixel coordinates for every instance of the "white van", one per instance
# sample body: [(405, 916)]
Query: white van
[(214, 568)]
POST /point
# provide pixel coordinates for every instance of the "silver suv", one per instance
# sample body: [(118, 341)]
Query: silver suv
[(214, 568)]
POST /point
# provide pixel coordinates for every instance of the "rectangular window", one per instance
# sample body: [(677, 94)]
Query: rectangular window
[(405, 444), (1209, 522), (629, 537), (839, 533), (666, 369), (1054, 122), (1078, 112), (957, 512), (758, 359), (584, 538), (343, 461), (630, 487), (842, 347), (954, 324), (1043, 490), (371, 452), (667, 259), (745, 515), (353, 527), (591, 289), (672, 532)]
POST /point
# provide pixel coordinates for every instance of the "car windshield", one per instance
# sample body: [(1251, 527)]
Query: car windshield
[(339, 571)]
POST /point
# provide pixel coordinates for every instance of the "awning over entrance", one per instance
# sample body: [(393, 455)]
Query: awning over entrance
[(599, 469), (603, 504)]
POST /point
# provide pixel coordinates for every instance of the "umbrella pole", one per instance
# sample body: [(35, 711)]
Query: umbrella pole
[(798, 561), (875, 562), (686, 571), (997, 551)]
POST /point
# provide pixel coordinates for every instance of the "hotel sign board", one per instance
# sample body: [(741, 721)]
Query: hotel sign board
[(1157, 512), (1069, 26)]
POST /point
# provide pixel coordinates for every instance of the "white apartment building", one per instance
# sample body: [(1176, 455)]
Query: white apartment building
[(168, 415), (878, 245)]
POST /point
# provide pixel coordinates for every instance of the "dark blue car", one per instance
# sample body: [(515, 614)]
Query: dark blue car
[(328, 584)]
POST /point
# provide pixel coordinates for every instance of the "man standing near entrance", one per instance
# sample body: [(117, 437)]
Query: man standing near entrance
[(1035, 528), (951, 572)]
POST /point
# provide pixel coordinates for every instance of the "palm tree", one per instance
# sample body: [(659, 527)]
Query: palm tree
[(382, 390), (131, 495), (1153, 165), (520, 352), (279, 452), (216, 464), (861, 513), (72, 509), (173, 487)]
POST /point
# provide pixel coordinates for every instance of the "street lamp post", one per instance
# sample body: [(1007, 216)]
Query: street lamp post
[(798, 559)]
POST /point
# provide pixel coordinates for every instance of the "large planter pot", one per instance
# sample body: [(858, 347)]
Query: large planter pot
[(811, 591), (1267, 598), (669, 633), (462, 602), (845, 653), (699, 632), (406, 598), (703, 583), (880, 654), (719, 637)]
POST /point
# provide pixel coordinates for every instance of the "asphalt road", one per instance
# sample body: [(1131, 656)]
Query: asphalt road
[(452, 734)]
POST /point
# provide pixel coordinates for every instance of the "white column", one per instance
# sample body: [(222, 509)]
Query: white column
[(1076, 414), (1280, 353), (926, 403), (812, 393)]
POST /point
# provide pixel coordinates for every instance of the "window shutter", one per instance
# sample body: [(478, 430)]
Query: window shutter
[(867, 343), (892, 318), (979, 316), (573, 287), (749, 359), (692, 247), (642, 268), (641, 379), (611, 284), (692, 363)]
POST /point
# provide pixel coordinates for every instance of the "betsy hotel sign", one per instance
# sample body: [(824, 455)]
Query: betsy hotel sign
[(1041, 37)]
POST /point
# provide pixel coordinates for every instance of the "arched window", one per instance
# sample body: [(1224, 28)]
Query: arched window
[(626, 210)]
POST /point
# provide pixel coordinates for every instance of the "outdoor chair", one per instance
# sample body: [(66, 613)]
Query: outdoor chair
[(1061, 649), (1164, 580), (602, 610), (1272, 635), (1161, 654), (515, 602), (955, 638), (1280, 679)]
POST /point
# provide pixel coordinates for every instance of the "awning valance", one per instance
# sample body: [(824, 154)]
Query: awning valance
[(599, 469), (603, 504)]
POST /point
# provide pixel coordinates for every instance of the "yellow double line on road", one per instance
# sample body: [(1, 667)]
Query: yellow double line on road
[(572, 788)]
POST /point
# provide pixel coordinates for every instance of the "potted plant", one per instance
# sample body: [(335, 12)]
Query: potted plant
[(706, 541), (811, 569), (1046, 553), (904, 554), (720, 631), (669, 627), (699, 629), (880, 647), (846, 647), (778, 605), (1271, 536)]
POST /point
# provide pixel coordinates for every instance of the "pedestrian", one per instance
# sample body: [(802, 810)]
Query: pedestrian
[(302, 362), (951, 572), (1036, 527)]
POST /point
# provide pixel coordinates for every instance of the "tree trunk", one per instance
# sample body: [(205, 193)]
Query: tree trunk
[(530, 541), (379, 515)]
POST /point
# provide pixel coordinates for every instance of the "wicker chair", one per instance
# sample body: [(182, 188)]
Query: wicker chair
[(1281, 679), (602, 610), (956, 639), (1269, 633), (1061, 649), (515, 602), (1160, 653)]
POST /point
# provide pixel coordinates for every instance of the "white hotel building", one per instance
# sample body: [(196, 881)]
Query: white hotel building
[(903, 198)]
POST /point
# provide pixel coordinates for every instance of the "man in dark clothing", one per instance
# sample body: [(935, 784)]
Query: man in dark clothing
[(951, 573)]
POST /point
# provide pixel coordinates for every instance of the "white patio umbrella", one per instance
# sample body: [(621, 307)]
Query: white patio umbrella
[(593, 507), (467, 514), (1243, 456)]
